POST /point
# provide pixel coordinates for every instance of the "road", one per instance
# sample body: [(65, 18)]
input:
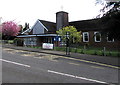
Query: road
[(30, 67)]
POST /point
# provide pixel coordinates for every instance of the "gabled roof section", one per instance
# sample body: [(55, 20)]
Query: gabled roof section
[(86, 25), (47, 25), (51, 26)]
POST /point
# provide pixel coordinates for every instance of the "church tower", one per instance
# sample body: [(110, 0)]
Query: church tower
[(61, 19)]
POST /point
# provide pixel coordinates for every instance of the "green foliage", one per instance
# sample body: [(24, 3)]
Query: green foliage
[(18, 42), (110, 20), (60, 48), (75, 37), (90, 51), (10, 41)]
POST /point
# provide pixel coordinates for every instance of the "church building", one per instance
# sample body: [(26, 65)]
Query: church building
[(45, 32)]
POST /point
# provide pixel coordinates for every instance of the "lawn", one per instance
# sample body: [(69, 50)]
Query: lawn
[(83, 50), (91, 51)]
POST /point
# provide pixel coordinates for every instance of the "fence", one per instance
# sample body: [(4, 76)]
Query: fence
[(101, 51), (82, 49)]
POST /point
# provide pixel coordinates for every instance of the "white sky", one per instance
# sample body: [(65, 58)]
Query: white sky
[(30, 10)]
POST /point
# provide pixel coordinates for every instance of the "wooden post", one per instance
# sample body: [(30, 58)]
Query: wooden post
[(104, 51)]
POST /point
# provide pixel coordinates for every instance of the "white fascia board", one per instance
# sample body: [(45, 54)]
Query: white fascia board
[(43, 25), (26, 36), (42, 35), (34, 25), (26, 31), (48, 35), (30, 28)]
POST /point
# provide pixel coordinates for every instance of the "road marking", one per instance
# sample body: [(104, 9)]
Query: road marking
[(74, 64), (116, 67), (97, 67), (92, 62), (14, 63), (26, 55), (37, 57), (77, 77), (54, 60)]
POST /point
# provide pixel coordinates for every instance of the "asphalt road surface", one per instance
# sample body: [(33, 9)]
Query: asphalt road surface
[(29, 67)]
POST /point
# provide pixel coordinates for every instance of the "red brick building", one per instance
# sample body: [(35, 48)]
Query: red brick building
[(45, 32)]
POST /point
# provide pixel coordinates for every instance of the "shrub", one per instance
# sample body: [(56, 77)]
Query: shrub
[(18, 42)]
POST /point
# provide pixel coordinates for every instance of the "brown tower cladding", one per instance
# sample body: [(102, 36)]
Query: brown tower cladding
[(61, 19)]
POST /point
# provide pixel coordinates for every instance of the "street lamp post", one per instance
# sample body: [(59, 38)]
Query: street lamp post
[(67, 44)]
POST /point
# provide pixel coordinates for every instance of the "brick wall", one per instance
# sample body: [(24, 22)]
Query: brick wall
[(103, 43)]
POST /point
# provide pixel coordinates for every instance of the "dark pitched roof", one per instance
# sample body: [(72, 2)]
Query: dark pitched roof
[(86, 25), (51, 26)]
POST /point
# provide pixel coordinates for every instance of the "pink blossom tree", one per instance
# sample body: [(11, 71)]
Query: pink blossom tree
[(10, 28)]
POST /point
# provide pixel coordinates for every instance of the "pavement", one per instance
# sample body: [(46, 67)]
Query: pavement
[(108, 61)]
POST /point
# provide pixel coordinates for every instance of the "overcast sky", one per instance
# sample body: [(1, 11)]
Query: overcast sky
[(30, 10)]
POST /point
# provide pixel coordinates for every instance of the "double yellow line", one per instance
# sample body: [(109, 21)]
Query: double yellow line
[(91, 62)]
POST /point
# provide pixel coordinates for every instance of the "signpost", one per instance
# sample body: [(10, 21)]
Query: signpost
[(67, 44)]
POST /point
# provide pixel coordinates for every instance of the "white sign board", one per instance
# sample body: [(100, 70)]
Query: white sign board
[(47, 46)]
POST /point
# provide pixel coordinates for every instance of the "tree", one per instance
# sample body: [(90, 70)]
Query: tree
[(9, 29), (74, 36), (21, 29), (26, 26), (111, 19)]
